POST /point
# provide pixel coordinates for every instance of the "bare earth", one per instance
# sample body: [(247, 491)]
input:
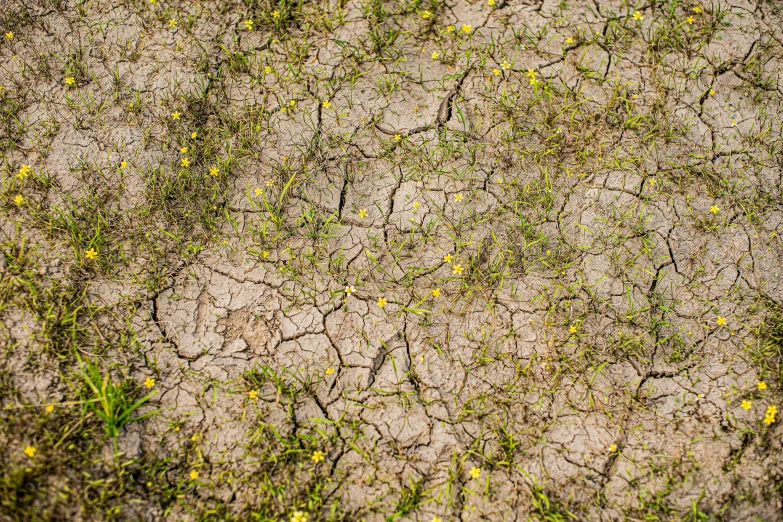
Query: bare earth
[(391, 260)]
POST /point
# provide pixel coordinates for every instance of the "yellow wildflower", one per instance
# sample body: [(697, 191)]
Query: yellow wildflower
[(746, 405), (769, 416), (475, 472), (149, 382), (91, 253), (318, 456), (29, 451), (382, 302)]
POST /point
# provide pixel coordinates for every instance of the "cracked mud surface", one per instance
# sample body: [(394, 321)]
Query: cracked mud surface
[(393, 260)]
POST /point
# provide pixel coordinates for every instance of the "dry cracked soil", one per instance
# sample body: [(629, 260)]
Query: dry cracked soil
[(380, 260)]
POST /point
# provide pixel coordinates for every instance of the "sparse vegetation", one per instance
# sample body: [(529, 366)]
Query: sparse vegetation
[(390, 260)]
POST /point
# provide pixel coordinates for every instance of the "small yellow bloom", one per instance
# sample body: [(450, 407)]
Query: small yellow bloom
[(690, 20), (491, 3), (434, 55), (91, 253), (416, 204), (572, 329), (697, 9), (29, 451), (24, 171), (183, 150), (505, 65), (349, 290), (721, 321), (193, 135), (458, 197), (746, 405), (175, 115), (362, 212), (49, 408), (149, 382), (435, 292), (530, 73), (475, 472), (733, 123), (426, 14), (185, 162), (258, 191), (292, 103), (298, 516), (457, 270), (449, 28), (637, 15), (769, 416), (267, 69), (397, 137), (762, 385), (329, 371), (496, 72), (712, 92), (265, 254), (447, 258), (213, 171), (172, 23), (436, 519), (382, 302), (612, 448), (466, 28), (70, 80), (193, 475), (326, 104), (252, 394), (714, 209), (19, 199), (9, 35), (569, 40), (249, 25), (275, 14), (318, 456), (123, 164)]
